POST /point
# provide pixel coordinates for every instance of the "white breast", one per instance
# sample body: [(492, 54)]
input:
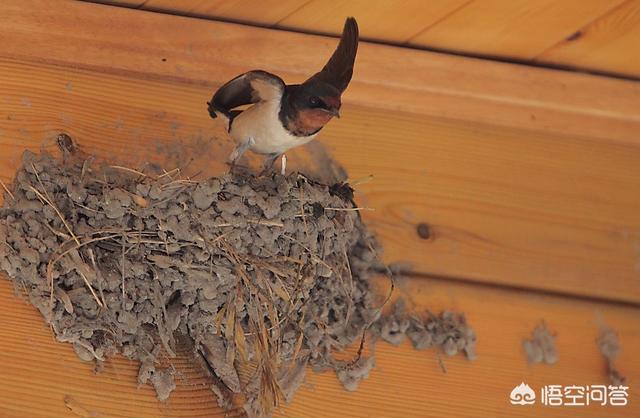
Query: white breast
[(261, 123)]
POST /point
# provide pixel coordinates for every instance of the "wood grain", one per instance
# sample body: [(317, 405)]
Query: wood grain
[(543, 30), (265, 12), (604, 45), (507, 206), (378, 19), (153, 45), (515, 28), (38, 372)]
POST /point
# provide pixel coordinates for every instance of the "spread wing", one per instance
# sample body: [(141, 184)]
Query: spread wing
[(339, 69), (252, 87)]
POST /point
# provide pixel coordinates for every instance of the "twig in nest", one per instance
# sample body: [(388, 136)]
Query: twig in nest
[(270, 391), (389, 275), (362, 180), (348, 292), (391, 289), (267, 356), (48, 200), (24, 288), (97, 272), (265, 222), (85, 166), (299, 340), (251, 221), (56, 232), (86, 207), (54, 260), (177, 183), (131, 170), (122, 268), (314, 257), (173, 196), (7, 190), (168, 173), (286, 296), (86, 281), (349, 209)]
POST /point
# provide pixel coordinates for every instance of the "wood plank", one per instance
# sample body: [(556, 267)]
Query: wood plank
[(507, 29), (507, 206), (513, 29), (378, 19), (153, 45), (604, 45), (38, 372), (266, 12)]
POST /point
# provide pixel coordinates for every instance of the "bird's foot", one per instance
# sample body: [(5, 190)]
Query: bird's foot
[(283, 165), (265, 172), (235, 168), (267, 166)]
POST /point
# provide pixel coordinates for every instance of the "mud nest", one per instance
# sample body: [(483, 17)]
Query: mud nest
[(261, 275)]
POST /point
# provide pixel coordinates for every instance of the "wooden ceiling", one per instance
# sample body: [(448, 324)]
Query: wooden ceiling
[(526, 177), (591, 35)]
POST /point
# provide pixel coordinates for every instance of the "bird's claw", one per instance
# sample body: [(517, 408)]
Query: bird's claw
[(239, 169)]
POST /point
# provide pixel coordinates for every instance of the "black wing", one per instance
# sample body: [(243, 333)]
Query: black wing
[(247, 88), (339, 69)]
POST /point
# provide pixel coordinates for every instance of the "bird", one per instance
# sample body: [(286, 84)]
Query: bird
[(283, 116)]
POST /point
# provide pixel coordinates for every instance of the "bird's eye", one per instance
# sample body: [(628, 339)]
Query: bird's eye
[(315, 101)]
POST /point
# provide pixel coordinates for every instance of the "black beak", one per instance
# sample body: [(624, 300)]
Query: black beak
[(335, 113)]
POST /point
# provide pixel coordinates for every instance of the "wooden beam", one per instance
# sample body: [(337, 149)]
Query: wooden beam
[(126, 41), (503, 205)]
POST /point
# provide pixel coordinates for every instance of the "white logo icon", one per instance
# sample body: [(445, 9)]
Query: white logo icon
[(522, 395)]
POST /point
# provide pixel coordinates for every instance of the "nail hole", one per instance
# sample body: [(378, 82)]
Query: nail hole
[(424, 231), (574, 36)]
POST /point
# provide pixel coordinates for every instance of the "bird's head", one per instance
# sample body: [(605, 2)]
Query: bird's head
[(316, 104), (316, 101)]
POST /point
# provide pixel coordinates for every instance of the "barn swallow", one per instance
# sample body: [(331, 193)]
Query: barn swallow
[(283, 116)]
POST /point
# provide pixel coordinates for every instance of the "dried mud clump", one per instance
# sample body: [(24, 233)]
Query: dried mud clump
[(610, 348), (541, 347), (261, 275), (448, 331)]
